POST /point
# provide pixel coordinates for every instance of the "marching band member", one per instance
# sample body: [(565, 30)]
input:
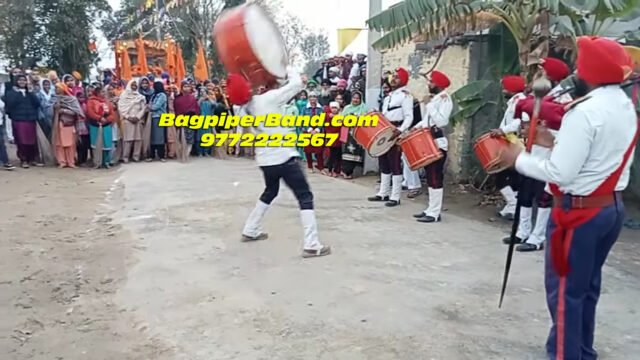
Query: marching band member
[(588, 168), (436, 116), (531, 237), (398, 109), (513, 86), (277, 162)]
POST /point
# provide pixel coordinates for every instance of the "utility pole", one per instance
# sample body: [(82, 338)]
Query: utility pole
[(374, 74), (158, 27)]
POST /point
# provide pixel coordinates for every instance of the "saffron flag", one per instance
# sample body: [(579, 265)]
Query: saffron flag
[(200, 71), (142, 56), (126, 66), (171, 58), (346, 37), (181, 72)]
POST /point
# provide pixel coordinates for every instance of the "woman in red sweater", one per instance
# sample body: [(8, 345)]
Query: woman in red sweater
[(334, 165)]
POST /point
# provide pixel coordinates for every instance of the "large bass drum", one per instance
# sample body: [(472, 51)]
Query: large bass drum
[(250, 43)]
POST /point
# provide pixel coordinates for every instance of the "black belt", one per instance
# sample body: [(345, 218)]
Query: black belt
[(436, 132)]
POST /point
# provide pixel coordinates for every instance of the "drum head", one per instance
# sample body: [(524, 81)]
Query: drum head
[(266, 41), (382, 143)]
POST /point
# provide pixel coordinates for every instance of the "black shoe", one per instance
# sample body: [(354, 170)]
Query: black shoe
[(420, 215), (429, 219), (378, 198), (507, 240), (8, 167), (527, 247), (392, 203)]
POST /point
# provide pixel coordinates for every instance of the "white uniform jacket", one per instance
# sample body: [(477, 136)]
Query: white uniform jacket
[(273, 102), (589, 146), (398, 108), (436, 113)]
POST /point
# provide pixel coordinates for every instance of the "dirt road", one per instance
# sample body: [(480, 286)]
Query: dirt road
[(144, 262)]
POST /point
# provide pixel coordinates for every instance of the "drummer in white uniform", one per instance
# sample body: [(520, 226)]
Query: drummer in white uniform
[(277, 163), (398, 109), (507, 181), (436, 117)]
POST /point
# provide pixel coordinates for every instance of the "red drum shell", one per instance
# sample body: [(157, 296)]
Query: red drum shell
[(420, 149), (232, 39), (376, 139), (488, 150)]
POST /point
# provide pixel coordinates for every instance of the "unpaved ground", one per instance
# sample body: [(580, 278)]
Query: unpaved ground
[(143, 262)]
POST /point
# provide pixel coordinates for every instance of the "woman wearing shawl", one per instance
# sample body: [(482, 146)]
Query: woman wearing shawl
[(187, 104), (47, 99), (116, 152), (82, 130), (22, 106), (100, 114), (67, 112), (132, 107), (352, 152), (157, 107), (145, 89), (172, 132), (207, 105)]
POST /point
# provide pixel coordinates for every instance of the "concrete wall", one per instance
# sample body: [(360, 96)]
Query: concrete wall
[(455, 63)]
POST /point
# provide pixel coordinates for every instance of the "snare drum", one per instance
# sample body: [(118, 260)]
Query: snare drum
[(488, 150), (376, 139), (420, 149), (250, 43)]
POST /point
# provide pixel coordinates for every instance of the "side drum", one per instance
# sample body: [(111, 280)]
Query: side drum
[(250, 43), (488, 150), (376, 139), (420, 149)]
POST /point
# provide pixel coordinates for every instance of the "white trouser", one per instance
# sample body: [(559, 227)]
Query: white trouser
[(411, 178), (540, 229), (9, 129), (510, 199), (396, 187), (524, 226), (253, 225), (385, 185), (434, 204), (310, 226)]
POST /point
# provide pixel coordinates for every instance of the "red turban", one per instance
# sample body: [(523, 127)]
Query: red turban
[(602, 61), (440, 80), (513, 83), (556, 69), (403, 75), (238, 89)]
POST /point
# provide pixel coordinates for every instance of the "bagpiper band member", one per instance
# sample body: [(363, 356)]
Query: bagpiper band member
[(588, 168), (529, 236), (436, 117), (398, 109), (507, 181), (277, 162)]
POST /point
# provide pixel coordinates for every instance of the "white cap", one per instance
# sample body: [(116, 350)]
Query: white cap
[(334, 104)]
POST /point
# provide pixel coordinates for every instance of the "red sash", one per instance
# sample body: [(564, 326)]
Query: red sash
[(567, 221)]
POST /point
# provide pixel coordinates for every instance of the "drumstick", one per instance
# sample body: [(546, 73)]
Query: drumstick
[(540, 88)]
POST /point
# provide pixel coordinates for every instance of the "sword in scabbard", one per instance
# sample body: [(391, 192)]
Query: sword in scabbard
[(540, 88)]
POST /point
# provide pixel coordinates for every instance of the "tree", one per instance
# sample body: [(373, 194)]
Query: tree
[(34, 32), (314, 48), (527, 20)]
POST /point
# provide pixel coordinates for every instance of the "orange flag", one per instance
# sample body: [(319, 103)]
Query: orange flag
[(200, 71), (171, 58), (181, 72), (126, 66), (142, 56)]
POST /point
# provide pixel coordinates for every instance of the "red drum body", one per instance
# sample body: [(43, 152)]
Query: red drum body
[(249, 43), (376, 139), (488, 150), (420, 149)]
